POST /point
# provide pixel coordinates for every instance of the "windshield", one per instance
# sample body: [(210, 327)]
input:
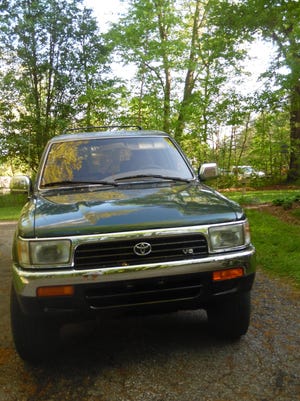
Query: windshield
[(96, 160)]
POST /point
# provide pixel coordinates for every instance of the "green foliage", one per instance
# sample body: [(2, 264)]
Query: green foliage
[(286, 202), (278, 202), (263, 144), (189, 78), (197, 151), (181, 64), (277, 197), (276, 21), (54, 61)]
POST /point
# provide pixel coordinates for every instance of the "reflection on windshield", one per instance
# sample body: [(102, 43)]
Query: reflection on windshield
[(94, 160), (62, 161)]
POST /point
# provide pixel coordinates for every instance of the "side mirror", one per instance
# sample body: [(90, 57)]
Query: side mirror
[(21, 184), (207, 171)]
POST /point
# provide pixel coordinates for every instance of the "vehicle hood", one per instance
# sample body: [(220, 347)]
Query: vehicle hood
[(124, 208)]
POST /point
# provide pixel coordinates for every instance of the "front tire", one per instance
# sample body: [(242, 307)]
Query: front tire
[(35, 339), (230, 318)]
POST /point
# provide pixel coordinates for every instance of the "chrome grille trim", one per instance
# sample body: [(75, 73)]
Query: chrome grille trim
[(120, 253)]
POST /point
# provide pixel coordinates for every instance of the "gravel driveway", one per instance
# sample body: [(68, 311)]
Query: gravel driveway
[(161, 358)]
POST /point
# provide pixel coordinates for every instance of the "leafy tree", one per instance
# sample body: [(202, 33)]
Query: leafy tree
[(269, 149), (54, 63), (181, 64), (210, 63), (146, 36), (276, 21)]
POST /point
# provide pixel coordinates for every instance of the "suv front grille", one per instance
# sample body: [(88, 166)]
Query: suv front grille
[(121, 252)]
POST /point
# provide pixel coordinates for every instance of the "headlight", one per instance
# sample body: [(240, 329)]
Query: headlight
[(228, 237), (52, 253)]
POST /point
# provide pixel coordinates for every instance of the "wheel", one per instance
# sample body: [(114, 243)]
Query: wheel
[(35, 339), (230, 319)]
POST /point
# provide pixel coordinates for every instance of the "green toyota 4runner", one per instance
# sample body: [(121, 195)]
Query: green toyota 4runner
[(119, 222)]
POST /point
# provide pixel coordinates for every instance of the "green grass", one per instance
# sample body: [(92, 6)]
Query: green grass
[(10, 213), (277, 245), (11, 205), (263, 196), (296, 213)]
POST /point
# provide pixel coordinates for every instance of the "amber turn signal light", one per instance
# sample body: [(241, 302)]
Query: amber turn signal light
[(55, 291), (228, 274)]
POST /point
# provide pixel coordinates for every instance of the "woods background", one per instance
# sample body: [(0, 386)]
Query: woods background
[(189, 63)]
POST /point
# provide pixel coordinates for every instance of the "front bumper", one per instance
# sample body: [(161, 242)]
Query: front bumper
[(174, 285)]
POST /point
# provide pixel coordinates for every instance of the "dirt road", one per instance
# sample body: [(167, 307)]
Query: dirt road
[(161, 358)]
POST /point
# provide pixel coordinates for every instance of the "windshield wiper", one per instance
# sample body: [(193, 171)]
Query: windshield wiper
[(129, 177), (79, 183)]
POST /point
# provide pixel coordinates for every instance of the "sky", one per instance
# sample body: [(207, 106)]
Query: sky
[(106, 11)]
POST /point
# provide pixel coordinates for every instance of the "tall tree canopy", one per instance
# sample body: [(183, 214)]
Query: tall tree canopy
[(54, 72), (182, 63), (276, 21), (53, 60)]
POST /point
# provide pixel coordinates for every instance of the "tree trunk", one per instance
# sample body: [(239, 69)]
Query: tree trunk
[(294, 167), (163, 33), (167, 101), (190, 78)]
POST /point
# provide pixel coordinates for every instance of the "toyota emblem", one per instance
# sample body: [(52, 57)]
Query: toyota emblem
[(142, 249)]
